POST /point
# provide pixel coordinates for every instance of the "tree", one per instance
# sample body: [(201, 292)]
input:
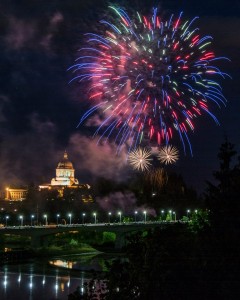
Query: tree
[(171, 263), (222, 198)]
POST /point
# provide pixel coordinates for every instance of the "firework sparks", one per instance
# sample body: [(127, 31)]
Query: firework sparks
[(157, 178), (140, 159), (168, 154), (149, 78)]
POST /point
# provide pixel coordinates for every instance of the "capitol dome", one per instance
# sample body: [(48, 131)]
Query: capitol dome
[(64, 173), (65, 163)]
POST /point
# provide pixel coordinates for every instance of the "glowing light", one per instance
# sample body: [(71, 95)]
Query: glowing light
[(148, 78), (5, 282), (140, 159), (145, 216), (168, 154), (68, 284)]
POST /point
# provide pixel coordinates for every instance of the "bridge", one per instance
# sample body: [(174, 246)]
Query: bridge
[(38, 234)]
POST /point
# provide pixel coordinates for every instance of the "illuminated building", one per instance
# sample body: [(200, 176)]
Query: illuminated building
[(64, 173), (17, 194), (65, 179)]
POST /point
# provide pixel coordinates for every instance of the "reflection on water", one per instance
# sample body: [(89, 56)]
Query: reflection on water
[(62, 263), (52, 281), (33, 283), (82, 263)]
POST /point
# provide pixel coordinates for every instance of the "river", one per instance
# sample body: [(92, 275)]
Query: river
[(48, 280)]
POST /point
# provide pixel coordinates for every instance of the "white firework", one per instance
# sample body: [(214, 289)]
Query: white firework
[(168, 154), (140, 159)]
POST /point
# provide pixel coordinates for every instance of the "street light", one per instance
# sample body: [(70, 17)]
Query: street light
[(70, 219), (196, 211), (120, 216), (170, 211), (135, 213), (188, 212), (162, 213), (145, 216), (32, 217), (83, 215), (175, 216), (109, 217), (57, 218), (46, 222), (21, 219), (7, 217), (95, 217)]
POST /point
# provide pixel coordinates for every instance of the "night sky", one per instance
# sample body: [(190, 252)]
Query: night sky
[(40, 110)]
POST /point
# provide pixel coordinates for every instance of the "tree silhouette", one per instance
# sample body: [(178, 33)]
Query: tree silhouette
[(222, 197)]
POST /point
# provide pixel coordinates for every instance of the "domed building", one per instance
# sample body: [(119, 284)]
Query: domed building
[(64, 173), (65, 179)]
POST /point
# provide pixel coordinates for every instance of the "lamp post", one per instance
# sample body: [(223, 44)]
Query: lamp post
[(135, 216), (109, 217), (32, 217), (120, 217), (7, 217), (175, 216), (145, 216), (83, 216), (170, 211), (70, 219), (188, 212), (57, 218), (95, 218), (21, 220), (45, 217), (162, 214)]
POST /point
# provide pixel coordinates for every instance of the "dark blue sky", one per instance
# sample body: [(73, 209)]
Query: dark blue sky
[(39, 110)]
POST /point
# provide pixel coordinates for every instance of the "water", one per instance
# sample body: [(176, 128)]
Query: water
[(47, 281)]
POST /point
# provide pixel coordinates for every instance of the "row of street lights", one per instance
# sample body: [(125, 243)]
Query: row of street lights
[(45, 217), (95, 217), (172, 214)]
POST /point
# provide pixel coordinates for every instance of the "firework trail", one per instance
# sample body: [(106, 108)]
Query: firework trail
[(149, 78)]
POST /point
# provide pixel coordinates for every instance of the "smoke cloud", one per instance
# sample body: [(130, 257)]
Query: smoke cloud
[(98, 160), (125, 202)]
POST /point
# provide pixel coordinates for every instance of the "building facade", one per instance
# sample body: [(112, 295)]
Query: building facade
[(17, 194)]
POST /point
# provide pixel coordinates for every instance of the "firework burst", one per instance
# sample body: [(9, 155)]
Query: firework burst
[(140, 159), (168, 154), (149, 78)]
